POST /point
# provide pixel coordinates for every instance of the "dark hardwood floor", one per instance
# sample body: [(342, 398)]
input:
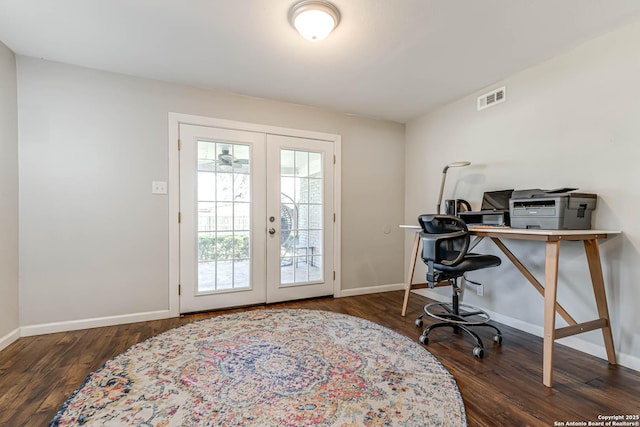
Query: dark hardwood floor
[(505, 388)]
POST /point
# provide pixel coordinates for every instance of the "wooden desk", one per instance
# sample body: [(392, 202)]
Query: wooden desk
[(552, 239)]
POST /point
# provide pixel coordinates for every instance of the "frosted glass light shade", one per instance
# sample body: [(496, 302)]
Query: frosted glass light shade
[(314, 20)]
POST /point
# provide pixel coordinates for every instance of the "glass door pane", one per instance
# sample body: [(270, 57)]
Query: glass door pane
[(224, 216), (301, 217)]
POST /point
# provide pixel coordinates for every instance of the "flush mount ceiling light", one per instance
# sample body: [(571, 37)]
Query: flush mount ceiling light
[(314, 19)]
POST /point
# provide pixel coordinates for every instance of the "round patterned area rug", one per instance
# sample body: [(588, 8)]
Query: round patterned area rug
[(270, 368)]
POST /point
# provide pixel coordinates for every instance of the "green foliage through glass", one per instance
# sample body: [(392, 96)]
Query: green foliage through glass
[(221, 248)]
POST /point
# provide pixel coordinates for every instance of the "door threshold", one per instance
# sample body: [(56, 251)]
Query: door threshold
[(249, 307)]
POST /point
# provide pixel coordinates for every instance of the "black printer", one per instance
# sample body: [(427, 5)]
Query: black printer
[(560, 209), (494, 210)]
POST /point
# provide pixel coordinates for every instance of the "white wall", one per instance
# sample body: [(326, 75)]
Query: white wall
[(94, 241), (571, 121), (8, 198)]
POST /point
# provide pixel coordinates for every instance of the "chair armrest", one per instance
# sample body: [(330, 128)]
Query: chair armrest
[(441, 236)]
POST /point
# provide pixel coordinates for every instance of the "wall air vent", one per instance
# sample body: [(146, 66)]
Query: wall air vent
[(492, 98)]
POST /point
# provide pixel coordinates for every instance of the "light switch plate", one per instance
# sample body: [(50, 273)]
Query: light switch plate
[(159, 187)]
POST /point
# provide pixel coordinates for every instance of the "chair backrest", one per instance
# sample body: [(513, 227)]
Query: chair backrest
[(445, 239)]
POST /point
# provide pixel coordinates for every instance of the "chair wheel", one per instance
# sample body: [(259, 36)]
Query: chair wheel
[(424, 339), (478, 352), (419, 323), (497, 339)]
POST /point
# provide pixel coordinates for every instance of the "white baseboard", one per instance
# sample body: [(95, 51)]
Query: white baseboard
[(10, 338), (371, 290), (623, 359), (628, 361), (97, 322), (73, 325)]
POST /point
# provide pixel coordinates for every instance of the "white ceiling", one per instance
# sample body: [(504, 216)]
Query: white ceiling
[(392, 59)]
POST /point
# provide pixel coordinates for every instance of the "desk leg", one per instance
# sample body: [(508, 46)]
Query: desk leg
[(412, 267), (552, 252), (597, 280)]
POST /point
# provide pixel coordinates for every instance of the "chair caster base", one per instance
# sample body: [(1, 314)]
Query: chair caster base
[(461, 322), (478, 352)]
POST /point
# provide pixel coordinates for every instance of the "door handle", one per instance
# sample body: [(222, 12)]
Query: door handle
[(272, 231)]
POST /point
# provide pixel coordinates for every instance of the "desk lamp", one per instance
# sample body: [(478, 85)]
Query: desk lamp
[(444, 177)]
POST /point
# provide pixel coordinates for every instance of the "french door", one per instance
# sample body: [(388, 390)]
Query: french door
[(300, 218), (256, 217)]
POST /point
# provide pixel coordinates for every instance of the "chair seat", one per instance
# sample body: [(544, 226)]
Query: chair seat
[(470, 262)]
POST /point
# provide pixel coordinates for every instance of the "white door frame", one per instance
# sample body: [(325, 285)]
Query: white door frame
[(175, 119)]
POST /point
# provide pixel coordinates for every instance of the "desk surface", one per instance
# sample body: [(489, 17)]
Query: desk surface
[(531, 234)]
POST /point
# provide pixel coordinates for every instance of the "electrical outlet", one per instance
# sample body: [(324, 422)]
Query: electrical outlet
[(158, 187), (480, 290)]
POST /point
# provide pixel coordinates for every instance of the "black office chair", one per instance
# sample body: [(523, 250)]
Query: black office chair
[(445, 246)]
